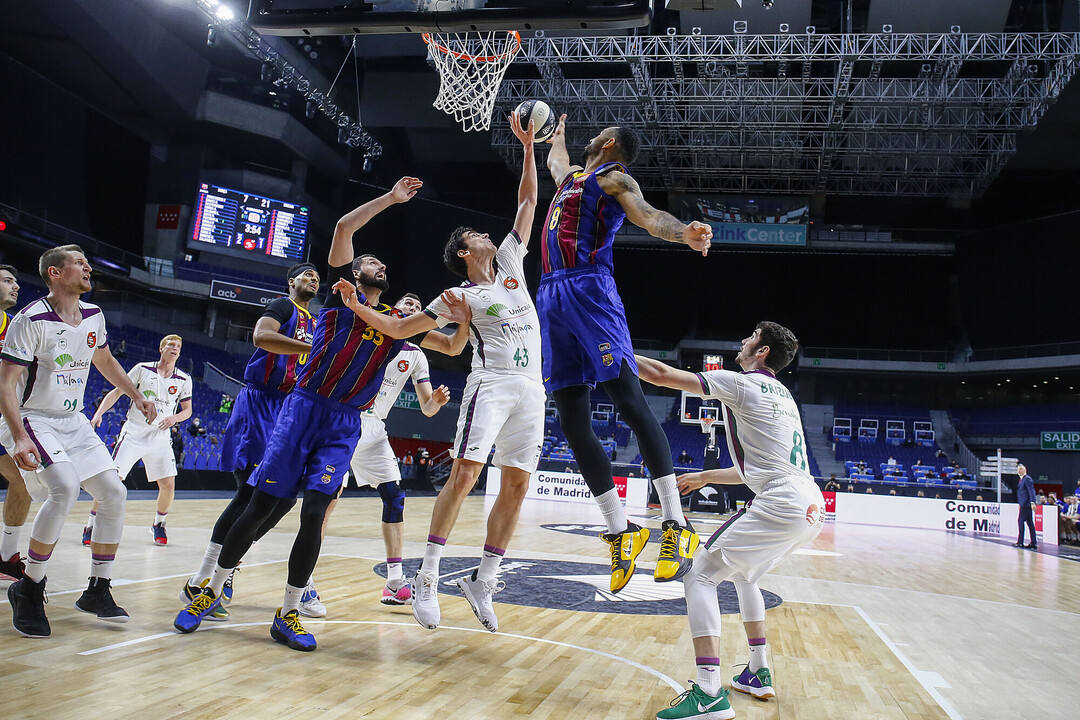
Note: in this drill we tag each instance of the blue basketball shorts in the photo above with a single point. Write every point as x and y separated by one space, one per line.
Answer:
310 447
583 328
252 420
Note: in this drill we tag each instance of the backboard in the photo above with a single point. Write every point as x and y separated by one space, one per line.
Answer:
334 17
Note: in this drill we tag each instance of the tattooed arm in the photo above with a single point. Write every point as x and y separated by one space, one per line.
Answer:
657 223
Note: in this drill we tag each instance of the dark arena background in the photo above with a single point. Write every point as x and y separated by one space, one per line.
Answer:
894 182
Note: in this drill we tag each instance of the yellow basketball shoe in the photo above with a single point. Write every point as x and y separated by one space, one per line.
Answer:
625 547
677 547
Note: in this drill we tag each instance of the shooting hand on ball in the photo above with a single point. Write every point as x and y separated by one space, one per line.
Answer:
525 135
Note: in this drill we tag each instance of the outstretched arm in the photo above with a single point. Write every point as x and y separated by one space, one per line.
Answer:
558 161
395 327
106 404
690 482
450 344
527 187
341 248
108 366
657 223
655 372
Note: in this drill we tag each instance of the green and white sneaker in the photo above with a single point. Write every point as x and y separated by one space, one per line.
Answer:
696 703
758 684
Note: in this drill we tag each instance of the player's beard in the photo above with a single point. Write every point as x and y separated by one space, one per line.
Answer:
587 154
372 281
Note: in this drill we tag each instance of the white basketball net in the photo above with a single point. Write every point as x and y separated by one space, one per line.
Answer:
471 68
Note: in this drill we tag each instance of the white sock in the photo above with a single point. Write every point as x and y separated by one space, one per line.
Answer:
292 599
393 571
709 677
218 578
90 520
159 518
209 562
757 657
101 565
9 541
612 509
432 555
489 563
35 566
670 505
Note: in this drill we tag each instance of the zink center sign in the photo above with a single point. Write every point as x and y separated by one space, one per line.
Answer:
1060 439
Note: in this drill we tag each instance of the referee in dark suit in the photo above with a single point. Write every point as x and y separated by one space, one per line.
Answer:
1025 495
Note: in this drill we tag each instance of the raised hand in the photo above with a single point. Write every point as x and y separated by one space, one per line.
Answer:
405 188
560 129
347 291
699 236
690 482
525 135
457 309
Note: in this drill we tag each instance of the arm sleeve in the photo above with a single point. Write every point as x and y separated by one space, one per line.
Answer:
333 274
511 254
21 341
435 309
420 372
724 385
280 310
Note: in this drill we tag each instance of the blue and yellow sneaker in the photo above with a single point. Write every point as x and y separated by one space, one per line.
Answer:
677 547
625 547
758 684
190 592
189 619
287 630
227 588
696 703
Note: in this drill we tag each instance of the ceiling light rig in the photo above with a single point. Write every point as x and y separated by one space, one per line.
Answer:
223 21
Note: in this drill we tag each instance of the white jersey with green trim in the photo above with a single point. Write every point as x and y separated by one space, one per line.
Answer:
410 363
165 392
56 355
764 429
505 329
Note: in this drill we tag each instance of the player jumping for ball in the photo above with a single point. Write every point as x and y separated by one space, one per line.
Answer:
503 402
767 443
586 341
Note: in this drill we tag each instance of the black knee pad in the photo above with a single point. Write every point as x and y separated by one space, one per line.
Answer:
393 502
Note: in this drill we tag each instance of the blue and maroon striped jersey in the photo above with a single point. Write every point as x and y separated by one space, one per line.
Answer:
348 356
581 223
279 372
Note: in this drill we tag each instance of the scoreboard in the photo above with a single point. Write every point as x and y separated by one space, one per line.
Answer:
231 222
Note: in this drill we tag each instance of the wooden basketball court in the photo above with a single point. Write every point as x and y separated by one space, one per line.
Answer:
874 623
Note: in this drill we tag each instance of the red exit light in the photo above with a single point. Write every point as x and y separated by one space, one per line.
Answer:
3 226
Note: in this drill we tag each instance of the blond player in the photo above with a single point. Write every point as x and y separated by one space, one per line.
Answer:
503 404
767 442
169 388
46 359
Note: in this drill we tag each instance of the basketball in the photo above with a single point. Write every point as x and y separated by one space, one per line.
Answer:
541 115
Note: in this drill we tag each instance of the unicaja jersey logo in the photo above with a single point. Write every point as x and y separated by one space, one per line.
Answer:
495 310
510 284
62 360
403 366
149 394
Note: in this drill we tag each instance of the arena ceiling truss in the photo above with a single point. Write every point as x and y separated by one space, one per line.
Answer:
896 114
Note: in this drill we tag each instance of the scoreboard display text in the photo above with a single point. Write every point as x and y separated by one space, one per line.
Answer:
236 223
